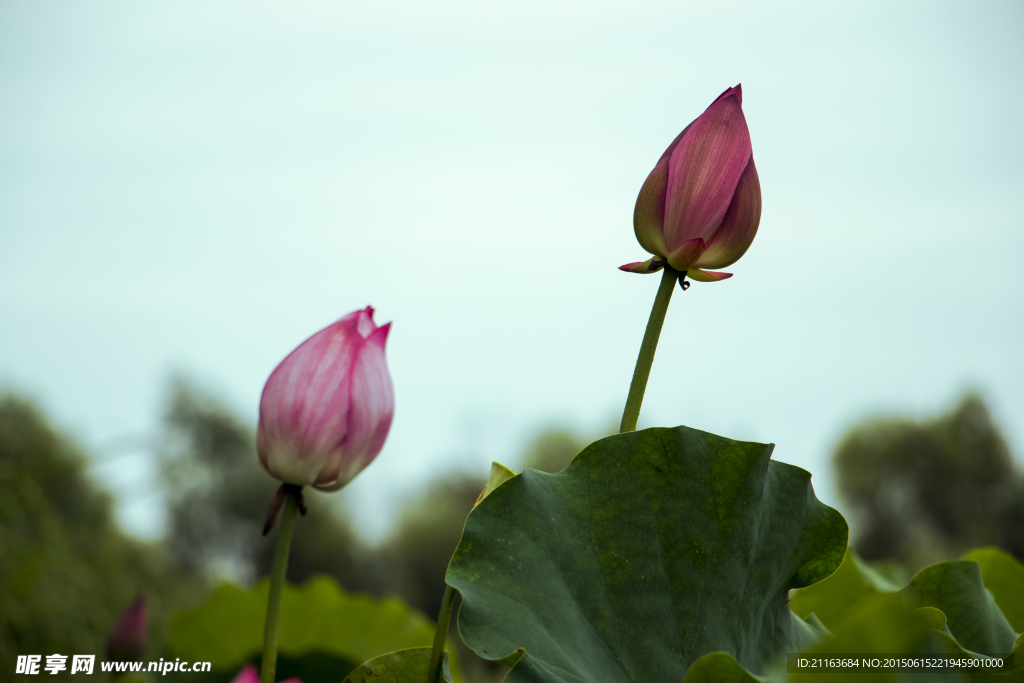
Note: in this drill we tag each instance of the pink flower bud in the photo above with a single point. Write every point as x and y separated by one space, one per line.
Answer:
701 205
248 674
128 638
327 408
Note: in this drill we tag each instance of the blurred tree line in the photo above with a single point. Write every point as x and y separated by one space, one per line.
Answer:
916 492
919 492
218 496
66 568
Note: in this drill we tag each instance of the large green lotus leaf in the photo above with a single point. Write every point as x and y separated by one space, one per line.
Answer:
1003 575
830 600
404 666
972 616
651 549
316 618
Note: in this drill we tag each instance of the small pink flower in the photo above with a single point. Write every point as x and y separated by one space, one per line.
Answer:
248 674
701 205
326 409
130 635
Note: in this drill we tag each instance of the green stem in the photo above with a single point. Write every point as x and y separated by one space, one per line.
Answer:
440 635
647 348
284 542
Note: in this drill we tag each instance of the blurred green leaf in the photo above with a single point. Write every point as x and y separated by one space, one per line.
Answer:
1003 575
882 624
318 617
404 666
830 600
719 667
954 615
935 618
876 624
815 623
652 549
985 675
972 616
887 624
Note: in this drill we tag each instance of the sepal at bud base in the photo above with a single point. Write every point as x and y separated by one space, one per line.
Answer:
707 275
687 254
644 267
277 503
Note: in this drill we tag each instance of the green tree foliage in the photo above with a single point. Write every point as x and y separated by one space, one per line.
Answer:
423 540
66 568
415 557
920 492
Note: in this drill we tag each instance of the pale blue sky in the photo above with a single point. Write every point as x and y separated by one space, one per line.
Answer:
201 185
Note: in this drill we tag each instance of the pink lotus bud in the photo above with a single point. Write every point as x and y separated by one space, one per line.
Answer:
128 638
248 674
327 408
700 206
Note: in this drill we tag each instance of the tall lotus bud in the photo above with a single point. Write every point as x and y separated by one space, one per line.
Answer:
701 205
327 408
130 635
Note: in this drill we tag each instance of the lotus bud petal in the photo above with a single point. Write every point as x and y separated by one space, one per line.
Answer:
130 635
327 408
701 205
